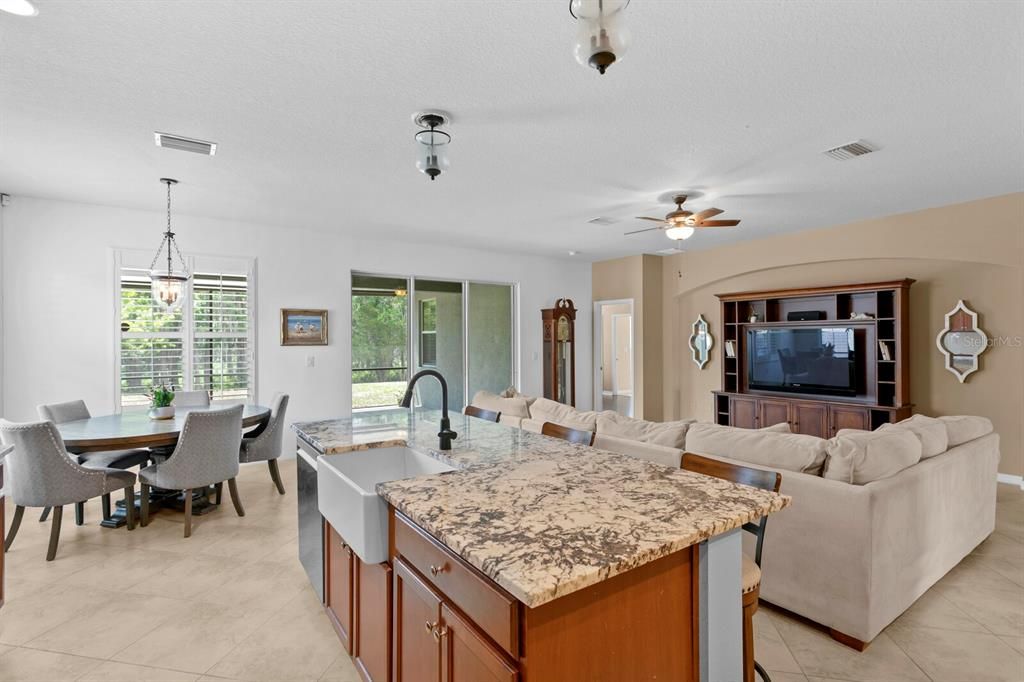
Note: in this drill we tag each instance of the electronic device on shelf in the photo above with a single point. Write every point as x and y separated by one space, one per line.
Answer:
805 315
822 360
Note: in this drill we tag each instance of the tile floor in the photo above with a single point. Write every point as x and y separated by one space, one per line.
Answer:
232 602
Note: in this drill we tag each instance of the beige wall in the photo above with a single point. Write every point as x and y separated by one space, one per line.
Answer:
638 278
973 251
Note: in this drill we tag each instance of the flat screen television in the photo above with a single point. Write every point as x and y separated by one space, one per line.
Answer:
803 359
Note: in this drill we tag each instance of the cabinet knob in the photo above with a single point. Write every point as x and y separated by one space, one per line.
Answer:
430 626
439 632
434 570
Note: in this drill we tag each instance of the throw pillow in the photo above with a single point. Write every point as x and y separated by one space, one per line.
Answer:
961 429
929 430
861 457
769 447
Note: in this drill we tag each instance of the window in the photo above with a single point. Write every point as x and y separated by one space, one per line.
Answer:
207 344
380 328
428 332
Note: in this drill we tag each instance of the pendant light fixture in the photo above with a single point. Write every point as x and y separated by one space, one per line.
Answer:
431 143
602 37
167 286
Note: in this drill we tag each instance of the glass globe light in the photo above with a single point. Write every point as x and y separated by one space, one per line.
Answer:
167 289
432 152
602 37
679 232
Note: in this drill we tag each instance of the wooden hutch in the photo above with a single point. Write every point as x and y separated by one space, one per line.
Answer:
883 394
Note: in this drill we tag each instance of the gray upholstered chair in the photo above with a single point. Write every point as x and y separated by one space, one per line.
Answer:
191 399
265 443
206 454
44 474
74 410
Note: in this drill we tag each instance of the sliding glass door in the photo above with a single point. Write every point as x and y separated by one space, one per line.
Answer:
380 340
464 330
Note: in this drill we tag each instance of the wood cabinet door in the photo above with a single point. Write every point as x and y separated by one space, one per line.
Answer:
338 584
849 417
467 656
417 623
373 620
772 412
810 419
743 412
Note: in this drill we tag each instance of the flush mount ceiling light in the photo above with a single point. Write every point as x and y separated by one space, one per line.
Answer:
23 8
431 143
602 37
168 286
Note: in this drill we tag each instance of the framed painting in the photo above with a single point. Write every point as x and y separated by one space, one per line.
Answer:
301 327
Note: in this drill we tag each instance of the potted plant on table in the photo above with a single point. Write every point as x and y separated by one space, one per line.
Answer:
160 403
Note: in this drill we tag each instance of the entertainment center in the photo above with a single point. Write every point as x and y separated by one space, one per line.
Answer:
820 359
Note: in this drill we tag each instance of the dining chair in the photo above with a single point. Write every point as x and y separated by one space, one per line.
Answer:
565 433
74 410
266 442
756 478
44 474
481 413
206 454
191 399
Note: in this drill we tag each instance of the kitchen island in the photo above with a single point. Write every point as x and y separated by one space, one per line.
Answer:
533 559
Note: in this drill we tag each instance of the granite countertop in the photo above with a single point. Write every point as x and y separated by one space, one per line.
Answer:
540 516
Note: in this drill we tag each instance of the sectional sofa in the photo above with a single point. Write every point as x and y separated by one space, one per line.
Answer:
877 517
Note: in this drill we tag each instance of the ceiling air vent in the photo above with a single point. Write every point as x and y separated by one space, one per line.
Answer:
185 144
850 150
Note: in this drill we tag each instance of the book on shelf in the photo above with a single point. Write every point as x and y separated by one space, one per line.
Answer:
730 349
883 348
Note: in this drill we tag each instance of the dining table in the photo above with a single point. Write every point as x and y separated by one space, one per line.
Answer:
134 429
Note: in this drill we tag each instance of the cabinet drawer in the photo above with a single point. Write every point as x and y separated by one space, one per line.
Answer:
490 608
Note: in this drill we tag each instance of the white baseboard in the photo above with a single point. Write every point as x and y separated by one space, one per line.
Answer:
1011 479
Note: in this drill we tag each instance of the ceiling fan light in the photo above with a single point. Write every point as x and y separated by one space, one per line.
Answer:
602 37
679 233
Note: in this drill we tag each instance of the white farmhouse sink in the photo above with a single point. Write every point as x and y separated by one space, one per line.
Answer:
346 493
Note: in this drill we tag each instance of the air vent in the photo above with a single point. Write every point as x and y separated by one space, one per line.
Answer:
602 220
850 150
185 144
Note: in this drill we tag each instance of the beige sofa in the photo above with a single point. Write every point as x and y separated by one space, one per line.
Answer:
877 517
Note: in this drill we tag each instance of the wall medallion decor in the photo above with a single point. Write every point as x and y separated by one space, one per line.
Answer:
301 327
962 341
701 342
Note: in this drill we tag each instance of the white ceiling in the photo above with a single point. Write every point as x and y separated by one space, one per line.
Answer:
311 103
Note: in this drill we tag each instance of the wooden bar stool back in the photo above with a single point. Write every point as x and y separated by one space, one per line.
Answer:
480 413
565 433
755 478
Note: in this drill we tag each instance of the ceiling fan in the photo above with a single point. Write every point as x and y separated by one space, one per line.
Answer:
681 224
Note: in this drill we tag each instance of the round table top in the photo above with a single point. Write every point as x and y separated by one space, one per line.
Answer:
136 430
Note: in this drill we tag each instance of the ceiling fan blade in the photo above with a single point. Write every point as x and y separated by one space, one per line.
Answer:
717 223
706 213
648 229
657 220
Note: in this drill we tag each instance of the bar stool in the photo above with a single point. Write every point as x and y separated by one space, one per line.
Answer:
755 478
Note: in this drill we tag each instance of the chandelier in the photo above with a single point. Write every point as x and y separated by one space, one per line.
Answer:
168 286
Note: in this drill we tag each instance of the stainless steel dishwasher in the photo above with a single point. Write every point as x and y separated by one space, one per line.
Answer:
311 523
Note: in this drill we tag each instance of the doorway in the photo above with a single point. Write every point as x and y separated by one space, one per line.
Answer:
614 360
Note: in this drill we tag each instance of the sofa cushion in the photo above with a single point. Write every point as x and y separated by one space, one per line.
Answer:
929 430
765 447
659 454
961 429
512 407
544 410
860 457
669 434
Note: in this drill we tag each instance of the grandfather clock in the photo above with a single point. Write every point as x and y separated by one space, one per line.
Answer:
560 352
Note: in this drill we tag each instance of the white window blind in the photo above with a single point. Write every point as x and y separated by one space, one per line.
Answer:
152 342
206 344
220 345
